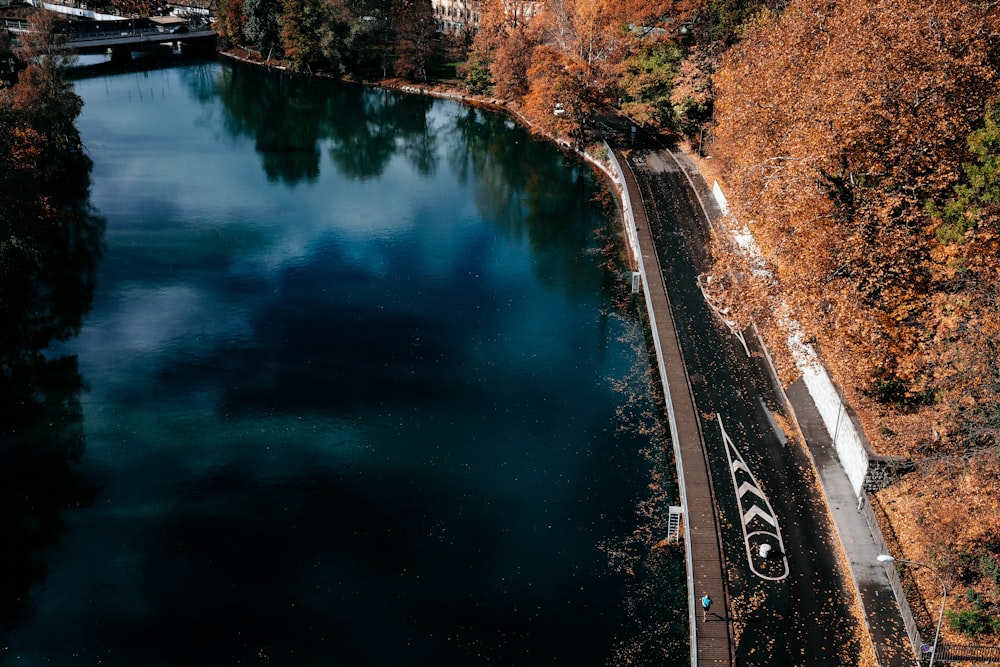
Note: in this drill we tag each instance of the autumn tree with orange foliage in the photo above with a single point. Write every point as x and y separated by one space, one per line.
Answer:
413 43
45 221
230 23
502 48
838 125
561 59
585 43
860 148
555 59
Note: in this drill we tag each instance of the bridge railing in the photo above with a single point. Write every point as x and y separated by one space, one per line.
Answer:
16 25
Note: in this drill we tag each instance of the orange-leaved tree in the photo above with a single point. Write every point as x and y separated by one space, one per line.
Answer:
502 47
414 28
838 123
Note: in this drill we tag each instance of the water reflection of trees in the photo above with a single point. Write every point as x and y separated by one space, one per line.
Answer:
521 187
289 116
42 440
51 245
520 184
276 111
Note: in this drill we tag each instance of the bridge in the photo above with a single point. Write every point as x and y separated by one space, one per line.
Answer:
135 34
121 37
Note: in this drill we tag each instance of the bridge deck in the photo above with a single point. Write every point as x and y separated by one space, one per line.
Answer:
134 39
99 36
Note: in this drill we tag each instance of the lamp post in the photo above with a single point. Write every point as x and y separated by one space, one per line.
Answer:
886 558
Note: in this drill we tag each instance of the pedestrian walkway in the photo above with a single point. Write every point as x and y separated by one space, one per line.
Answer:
879 606
711 642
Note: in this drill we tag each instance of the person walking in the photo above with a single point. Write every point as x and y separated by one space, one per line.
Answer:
706 604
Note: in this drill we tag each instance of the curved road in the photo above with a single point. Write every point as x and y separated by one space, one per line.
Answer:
790 600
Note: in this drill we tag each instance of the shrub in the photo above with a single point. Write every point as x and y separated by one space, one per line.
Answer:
970 622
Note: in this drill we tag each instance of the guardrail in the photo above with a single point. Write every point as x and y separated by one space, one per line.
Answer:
16 25
909 623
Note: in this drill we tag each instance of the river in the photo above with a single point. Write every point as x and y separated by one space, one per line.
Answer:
362 384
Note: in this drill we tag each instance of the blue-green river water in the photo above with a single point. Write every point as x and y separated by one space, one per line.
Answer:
363 384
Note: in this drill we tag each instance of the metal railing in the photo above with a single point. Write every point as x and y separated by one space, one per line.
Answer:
975 653
909 623
16 25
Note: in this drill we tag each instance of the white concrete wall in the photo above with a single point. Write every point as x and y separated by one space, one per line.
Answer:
849 444
847 441
75 9
720 198
630 232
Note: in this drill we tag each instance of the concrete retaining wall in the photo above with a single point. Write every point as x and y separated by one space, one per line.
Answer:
846 437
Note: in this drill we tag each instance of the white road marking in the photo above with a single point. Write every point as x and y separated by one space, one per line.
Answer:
758 521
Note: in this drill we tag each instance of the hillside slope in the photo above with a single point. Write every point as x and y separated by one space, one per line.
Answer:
860 141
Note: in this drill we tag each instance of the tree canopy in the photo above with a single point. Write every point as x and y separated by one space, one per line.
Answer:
49 240
843 127
860 143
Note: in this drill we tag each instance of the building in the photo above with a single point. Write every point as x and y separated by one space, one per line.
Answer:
456 15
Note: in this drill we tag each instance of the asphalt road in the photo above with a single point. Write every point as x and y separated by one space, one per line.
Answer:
790 599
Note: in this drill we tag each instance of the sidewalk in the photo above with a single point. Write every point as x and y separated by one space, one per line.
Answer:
710 634
880 610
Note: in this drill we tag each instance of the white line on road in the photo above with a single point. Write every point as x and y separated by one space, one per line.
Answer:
761 534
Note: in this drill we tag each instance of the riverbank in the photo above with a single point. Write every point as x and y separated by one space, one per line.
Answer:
596 155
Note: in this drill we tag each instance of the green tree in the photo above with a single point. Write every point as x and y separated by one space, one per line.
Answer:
983 173
261 27
476 76
980 190
301 25
355 37
647 84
